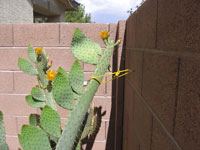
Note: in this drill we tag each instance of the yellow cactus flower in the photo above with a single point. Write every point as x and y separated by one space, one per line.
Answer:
104 34
39 50
51 75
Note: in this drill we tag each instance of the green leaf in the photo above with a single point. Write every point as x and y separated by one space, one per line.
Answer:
33 120
62 91
34 103
32 138
76 77
84 49
3 144
31 53
37 94
50 121
26 66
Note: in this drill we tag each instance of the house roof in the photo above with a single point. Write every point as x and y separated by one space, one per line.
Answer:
70 4
54 8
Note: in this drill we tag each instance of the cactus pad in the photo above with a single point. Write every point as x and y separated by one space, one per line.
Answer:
26 66
62 91
50 121
33 120
3 145
32 138
34 103
86 129
31 53
76 77
37 94
84 49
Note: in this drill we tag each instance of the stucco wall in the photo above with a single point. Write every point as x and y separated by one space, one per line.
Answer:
16 11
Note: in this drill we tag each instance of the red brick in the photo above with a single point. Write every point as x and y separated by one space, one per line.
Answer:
9 57
20 122
89 67
105 103
101 136
160 140
134 61
63 113
146 25
13 142
159 86
36 34
15 105
99 146
112 30
24 82
63 122
10 125
187 129
6 82
101 89
61 57
67 31
6 35
109 85
178 25
121 30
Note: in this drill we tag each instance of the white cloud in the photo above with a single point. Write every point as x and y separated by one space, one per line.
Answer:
109 5
115 7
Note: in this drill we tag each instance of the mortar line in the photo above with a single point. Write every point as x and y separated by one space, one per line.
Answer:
13 82
176 96
154 115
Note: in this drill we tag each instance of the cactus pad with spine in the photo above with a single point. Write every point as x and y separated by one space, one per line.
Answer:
32 138
37 94
34 103
3 144
33 120
62 91
26 66
84 49
31 53
76 77
50 121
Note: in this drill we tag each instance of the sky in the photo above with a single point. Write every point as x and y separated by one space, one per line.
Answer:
108 11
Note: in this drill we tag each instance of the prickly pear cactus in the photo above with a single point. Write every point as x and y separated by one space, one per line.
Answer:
44 131
85 51
3 144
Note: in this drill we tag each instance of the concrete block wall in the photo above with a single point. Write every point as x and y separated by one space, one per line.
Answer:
15 85
161 101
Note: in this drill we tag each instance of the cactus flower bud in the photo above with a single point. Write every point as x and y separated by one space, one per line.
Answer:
51 75
50 63
104 34
39 50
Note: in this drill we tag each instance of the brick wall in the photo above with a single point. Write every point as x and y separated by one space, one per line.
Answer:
15 85
162 98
